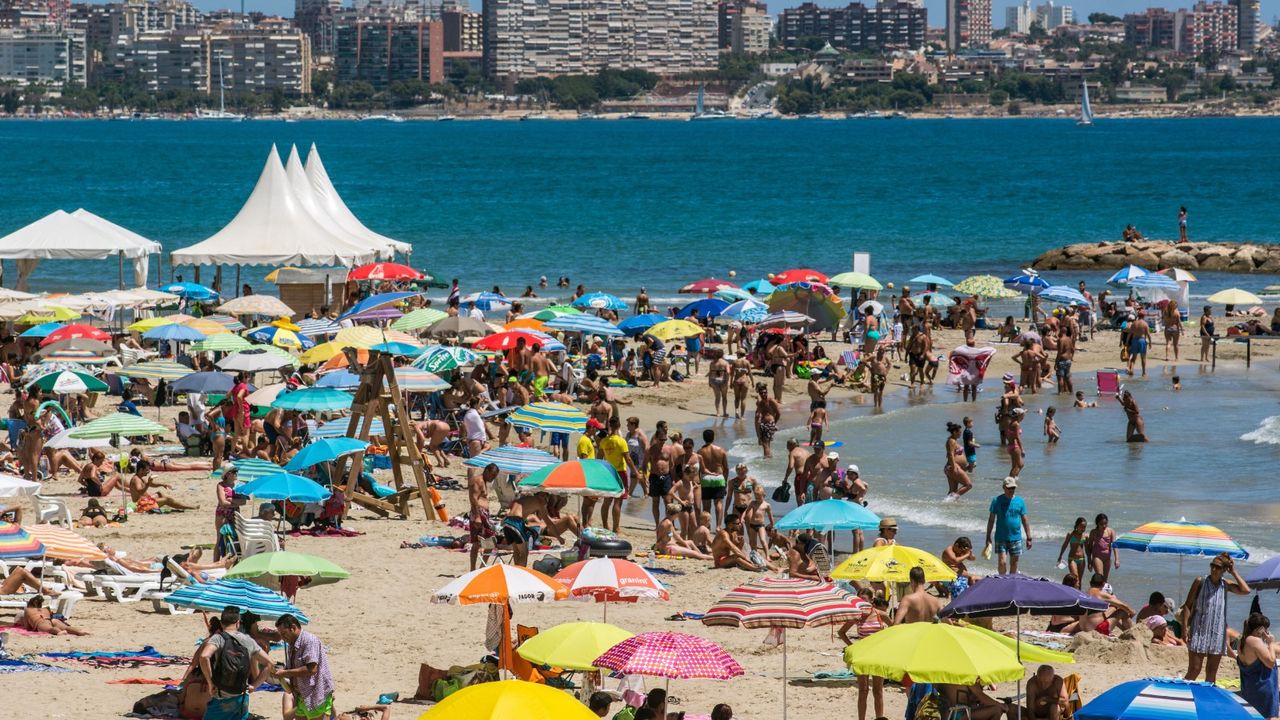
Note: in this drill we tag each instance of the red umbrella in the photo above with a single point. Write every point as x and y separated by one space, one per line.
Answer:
75 332
798 275
707 285
507 340
384 271
611 580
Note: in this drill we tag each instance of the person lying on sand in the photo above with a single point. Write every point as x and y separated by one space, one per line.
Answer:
670 543
38 618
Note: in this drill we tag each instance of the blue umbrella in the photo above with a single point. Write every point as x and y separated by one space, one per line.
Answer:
1026 283
600 301
734 295
1166 699
828 515
1266 576
267 336
40 331
377 302
1016 593
252 468
1154 281
706 308
284 486
639 324
931 279
586 324
174 332
512 459
248 596
487 301
321 326
1124 275
325 450
1063 295
760 287
398 348
338 428
316 399
189 290
742 308
204 382
341 379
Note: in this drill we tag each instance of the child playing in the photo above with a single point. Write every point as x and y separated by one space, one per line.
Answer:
1177 383
1051 429
817 421
970 445
1080 401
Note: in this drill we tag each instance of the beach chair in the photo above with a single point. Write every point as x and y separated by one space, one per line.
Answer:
52 510
821 560
1071 684
122 585
491 554
521 668
255 536
1108 382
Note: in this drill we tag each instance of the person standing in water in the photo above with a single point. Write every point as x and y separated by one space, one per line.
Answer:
958 482
1206 333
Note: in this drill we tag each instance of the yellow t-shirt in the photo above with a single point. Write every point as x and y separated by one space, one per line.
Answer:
614 449
586 448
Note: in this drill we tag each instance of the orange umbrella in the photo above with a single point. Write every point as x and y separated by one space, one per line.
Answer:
501 584
63 544
339 361
525 324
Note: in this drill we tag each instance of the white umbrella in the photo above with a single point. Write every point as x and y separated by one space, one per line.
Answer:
256 305
265 395
64 441
253 361
871 307
14 486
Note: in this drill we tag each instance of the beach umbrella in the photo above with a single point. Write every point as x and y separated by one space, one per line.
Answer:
283 564
254 360
551 313
174 332
266 394
611 580
668 330
892 563
1234 296
871 307
854 281
338 428
78 331
221 342
1154 281
84 357
316 327
403 349
937 299
600 301
63 440
458 325
274 275
731 295
324 352
341 379
47 313
670 655
237 593
549 417
828 515
18 543
503 341
1027 281
572 646
204 383
284 486
639 324
933 653
486 301
759 287
1179 275
747 311
931 279
795 275
783 603
156 370
707 286
416 319
509 699
513 460
377 302
1264 577
807 298
1063 295
252 468
1180 537
14 486
281 337
146 324
207 326
500 585
986 286
189 290
314 399
266 305
785 318
324 450
705 308
62 544
411 379
227 322
1166 699
589 478
79 345
40 331
1123 276
68 382
585 324
384 271
122 424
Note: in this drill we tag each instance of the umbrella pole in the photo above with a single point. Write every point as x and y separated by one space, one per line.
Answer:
1018 647
1181 591
606 610
784 673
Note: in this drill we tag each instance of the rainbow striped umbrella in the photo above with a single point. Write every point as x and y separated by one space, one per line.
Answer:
18 543
595 478
338 428
550 417
1181 537
411 379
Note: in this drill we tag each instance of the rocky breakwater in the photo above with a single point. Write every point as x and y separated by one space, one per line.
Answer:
1160 254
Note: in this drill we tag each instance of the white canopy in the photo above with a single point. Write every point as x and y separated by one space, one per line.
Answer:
74 236
310 202
273 228
328 198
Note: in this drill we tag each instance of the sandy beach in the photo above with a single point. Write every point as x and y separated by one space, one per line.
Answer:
379 625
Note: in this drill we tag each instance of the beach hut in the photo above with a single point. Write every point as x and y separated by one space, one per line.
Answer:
78 235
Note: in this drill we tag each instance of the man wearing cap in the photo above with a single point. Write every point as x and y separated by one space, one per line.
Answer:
1008 517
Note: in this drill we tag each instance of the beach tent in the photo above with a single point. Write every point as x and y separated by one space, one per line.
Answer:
305 193
327 197
274 228
78 235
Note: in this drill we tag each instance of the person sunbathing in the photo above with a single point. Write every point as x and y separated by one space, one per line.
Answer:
98 477
726 548
19 578
670 543
164 464
145 501
94 515
38 618
799 562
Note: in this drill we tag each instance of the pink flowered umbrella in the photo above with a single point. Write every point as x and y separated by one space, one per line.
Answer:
670 655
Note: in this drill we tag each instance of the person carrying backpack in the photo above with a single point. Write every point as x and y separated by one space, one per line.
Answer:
234 664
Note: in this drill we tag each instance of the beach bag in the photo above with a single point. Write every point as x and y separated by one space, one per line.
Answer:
427 678
231 666
782 493
928 708
446 687
548 566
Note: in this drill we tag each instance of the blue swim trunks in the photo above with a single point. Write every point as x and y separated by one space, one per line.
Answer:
1010 547
1138 346
972 459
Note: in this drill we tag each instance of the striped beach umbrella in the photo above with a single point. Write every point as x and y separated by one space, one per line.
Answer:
338 428
361 336
146 324
1166 699
742 308
314 399
1028 282
552 312
670 655
572 646
585 324
317 327
611 580
252 468
487 301
374 303
785 318
221 342
174 332
1063 295
1122 277
281 337
549 417
226 321
500 584
18 543
83 357
411 379
513 460
1155 281
1180 537
156 370
68 382
121 424
600 301
418 319
593 478
234 592
207 326
62 544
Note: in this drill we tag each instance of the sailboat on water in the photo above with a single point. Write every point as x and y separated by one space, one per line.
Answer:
701 113
221 113
1086 110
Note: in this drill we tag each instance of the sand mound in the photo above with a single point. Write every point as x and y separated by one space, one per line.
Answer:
1092 647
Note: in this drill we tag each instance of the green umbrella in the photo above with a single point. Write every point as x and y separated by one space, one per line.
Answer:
289 563
122 424
595 478
221 342
68 382
419 318
553 312
854 280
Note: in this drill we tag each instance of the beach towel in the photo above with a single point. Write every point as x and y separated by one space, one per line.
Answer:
9 666
968 365
21 631
127 658
325 532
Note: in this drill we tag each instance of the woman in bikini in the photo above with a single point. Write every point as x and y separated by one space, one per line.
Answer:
817 422
94 515
1077 540
685 495
759 518
216 417
718 379
670 543
1059 623
958 482
741 378
98 477
38 618
1102 556
225 512
1016 454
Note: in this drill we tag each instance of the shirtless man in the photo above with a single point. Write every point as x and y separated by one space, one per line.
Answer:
718 379
1046 696
478 522
1062 363
642 302
816 392
879 367
1029 359
741 374
1118 615
601 410
818 469
1139 341
543 369
917 605
657 462
967 319
431 435
520 528
906 307
518 357
768 412
726 548
715 475
546 508
797 454
142 482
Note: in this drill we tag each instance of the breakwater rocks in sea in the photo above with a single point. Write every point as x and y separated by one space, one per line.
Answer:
1160 254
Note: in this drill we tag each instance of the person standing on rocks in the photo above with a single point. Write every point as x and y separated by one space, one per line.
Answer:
1182 224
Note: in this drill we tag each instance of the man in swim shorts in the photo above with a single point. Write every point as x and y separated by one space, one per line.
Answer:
1066 353
715 474
1139 339
520 532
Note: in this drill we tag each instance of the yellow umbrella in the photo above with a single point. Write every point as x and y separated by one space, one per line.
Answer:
285 323
48 313
675 329
934 653
890 564
149 323
572 646
1234 296
206 326
322 353
508 699
361 336
274 275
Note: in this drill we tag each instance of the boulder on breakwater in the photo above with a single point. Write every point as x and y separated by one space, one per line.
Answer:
1160 254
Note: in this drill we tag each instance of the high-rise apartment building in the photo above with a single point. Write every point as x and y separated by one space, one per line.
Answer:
1051 15
968 24
315 18
1018 18
1249 23
1209 27
43 15
900 24
463 30
382 53
255 60
1153 28
529 38
53 56
743 26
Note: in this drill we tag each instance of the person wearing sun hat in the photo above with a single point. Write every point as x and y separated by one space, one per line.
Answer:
888 532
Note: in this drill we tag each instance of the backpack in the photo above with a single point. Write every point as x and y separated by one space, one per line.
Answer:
928 708
230 666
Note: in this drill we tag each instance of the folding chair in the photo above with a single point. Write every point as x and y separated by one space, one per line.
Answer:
1108 382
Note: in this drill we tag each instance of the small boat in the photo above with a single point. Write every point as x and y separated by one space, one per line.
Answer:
535 116
221 113
856 116
1086 110
701 113
875 115
587 115
896 116
446 118
810 116
635 116
376 118
764 115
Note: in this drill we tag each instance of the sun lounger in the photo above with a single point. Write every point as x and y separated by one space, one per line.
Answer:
180 578
62 604
120 584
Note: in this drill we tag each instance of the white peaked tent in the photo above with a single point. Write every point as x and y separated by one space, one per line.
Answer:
74 236
301 186
327 197
273 228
